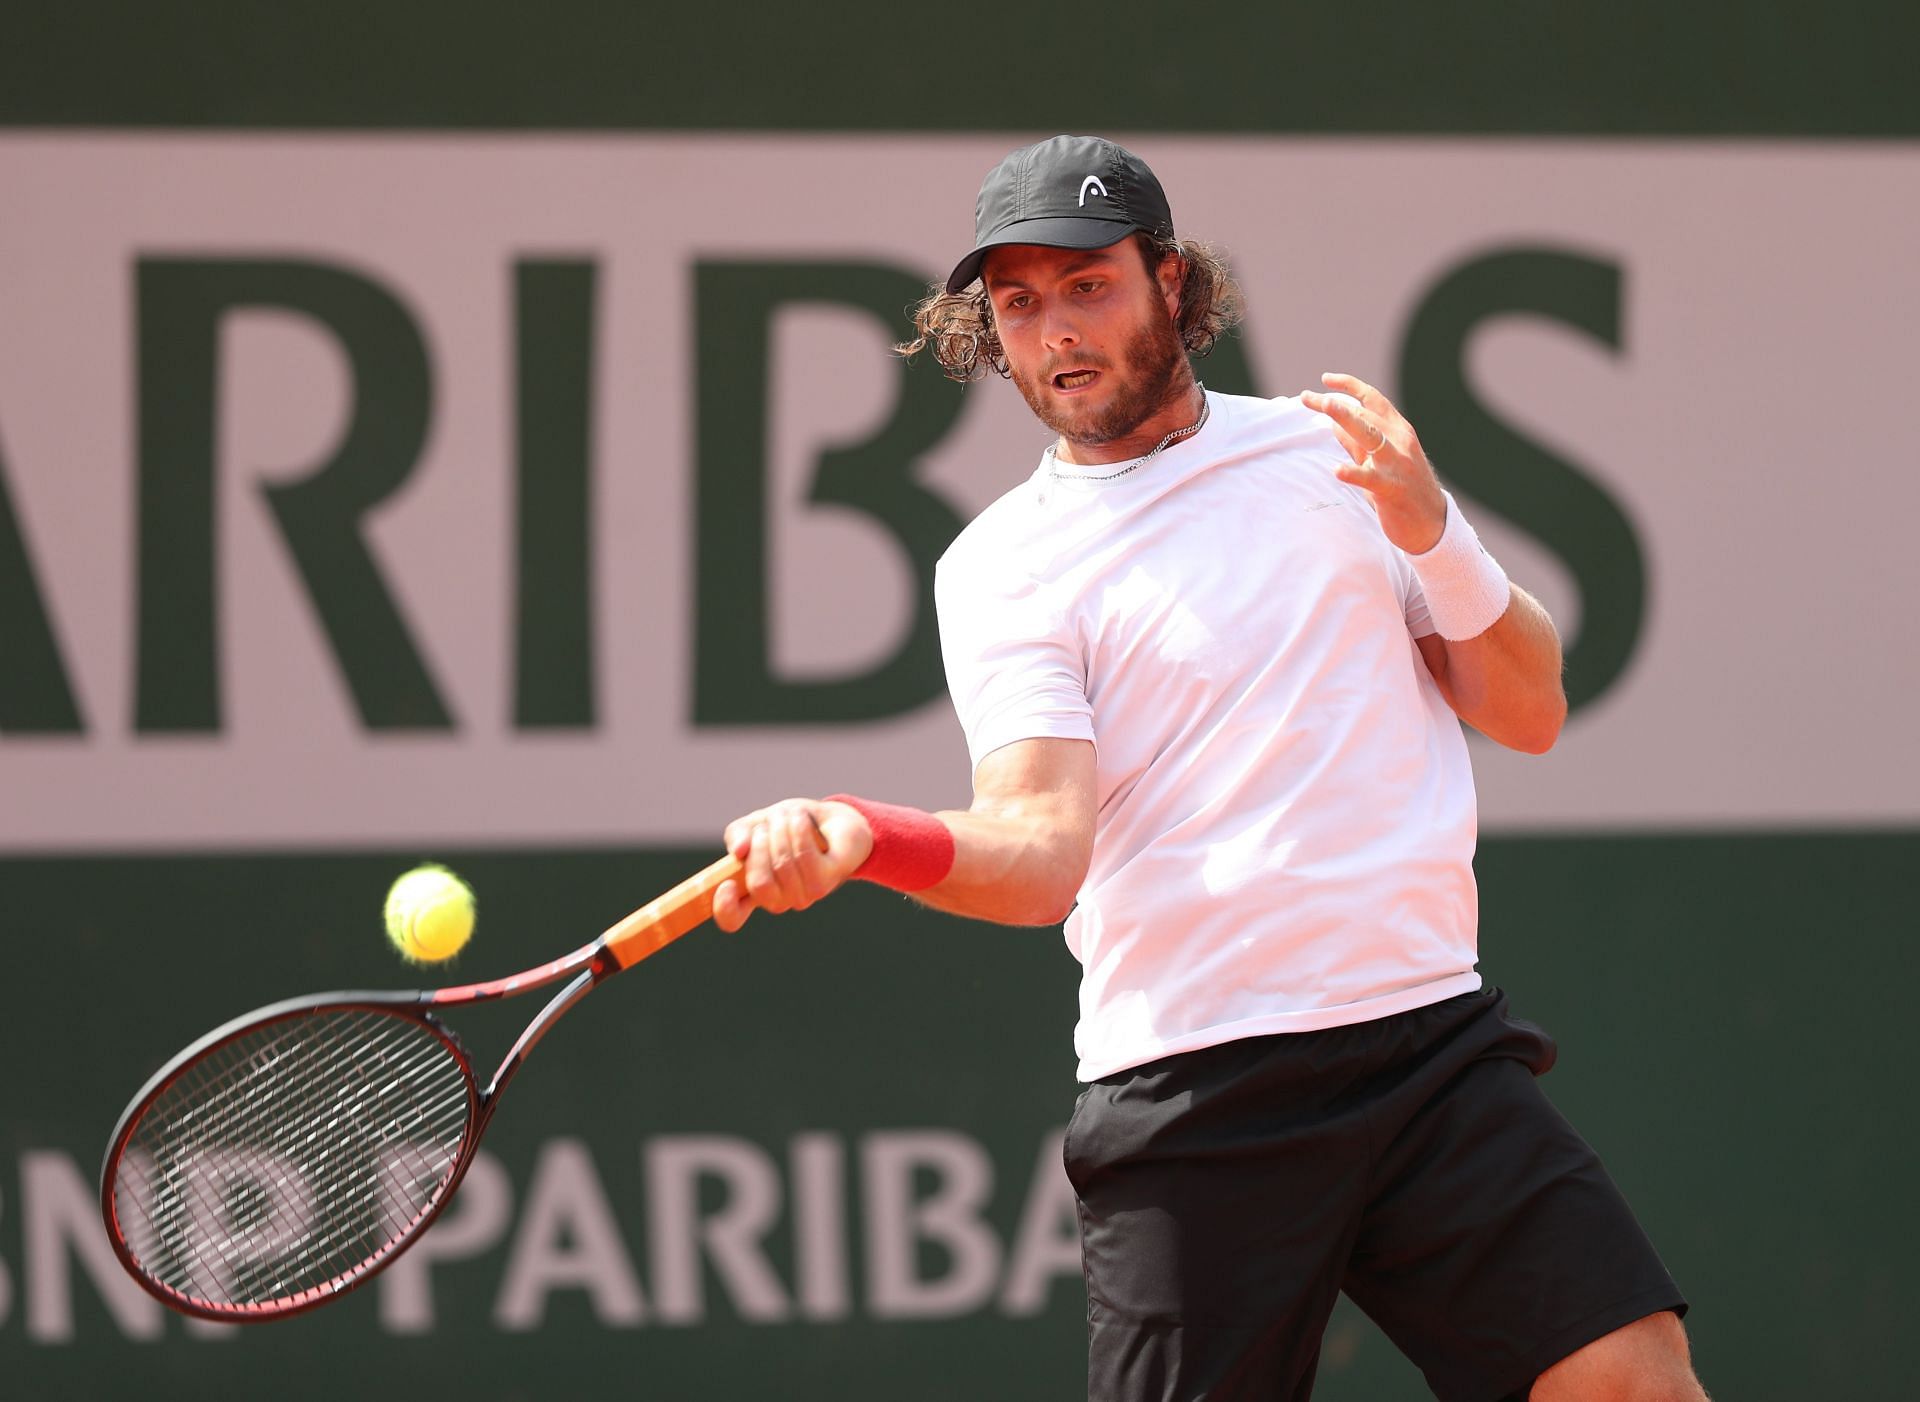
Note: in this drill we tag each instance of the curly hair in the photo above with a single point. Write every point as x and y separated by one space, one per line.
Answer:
958 326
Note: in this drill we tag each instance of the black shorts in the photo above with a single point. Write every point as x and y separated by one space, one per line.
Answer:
1227 1195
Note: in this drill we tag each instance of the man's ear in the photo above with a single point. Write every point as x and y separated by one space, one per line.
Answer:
1170 274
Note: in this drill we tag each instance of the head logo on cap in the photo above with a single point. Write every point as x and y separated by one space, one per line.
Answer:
1092 182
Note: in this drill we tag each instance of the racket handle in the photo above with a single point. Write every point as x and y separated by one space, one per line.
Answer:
665 918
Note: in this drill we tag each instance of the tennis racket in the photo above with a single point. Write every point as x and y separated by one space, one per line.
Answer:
287 1156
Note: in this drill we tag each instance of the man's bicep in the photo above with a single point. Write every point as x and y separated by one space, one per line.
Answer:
1047 779
1013 663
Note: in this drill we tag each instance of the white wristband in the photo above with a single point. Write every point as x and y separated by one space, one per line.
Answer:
1466 589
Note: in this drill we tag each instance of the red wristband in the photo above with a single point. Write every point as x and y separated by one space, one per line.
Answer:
912 849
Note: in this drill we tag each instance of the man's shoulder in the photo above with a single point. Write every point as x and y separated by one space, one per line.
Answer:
989 537
1282 423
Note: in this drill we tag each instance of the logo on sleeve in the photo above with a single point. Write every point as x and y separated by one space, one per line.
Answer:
1092 182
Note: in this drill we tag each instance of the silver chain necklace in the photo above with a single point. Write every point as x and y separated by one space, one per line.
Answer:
1057 475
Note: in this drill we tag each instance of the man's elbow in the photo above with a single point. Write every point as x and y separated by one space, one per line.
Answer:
1052 900
1055 911
1532 743
1032 907
1537 732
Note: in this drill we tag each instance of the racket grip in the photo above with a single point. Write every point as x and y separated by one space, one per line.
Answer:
665 918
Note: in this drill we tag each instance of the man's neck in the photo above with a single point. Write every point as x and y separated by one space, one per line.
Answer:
1182 410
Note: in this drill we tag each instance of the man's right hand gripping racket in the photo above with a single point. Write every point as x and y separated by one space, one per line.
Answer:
286 1157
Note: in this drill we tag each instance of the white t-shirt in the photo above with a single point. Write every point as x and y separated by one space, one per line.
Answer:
1286 814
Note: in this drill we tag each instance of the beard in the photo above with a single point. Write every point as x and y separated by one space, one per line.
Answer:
1147 379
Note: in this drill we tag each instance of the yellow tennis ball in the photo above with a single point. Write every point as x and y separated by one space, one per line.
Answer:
430 915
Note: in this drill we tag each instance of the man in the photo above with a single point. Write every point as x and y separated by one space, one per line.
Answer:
1210 659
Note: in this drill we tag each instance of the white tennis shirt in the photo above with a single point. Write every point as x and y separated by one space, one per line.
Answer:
1286 812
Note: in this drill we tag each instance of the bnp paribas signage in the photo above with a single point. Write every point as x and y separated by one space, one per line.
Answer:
823 1232
499 489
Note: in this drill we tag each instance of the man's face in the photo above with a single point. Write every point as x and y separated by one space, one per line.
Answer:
1088 334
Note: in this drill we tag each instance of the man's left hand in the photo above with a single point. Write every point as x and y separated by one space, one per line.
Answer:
1388 462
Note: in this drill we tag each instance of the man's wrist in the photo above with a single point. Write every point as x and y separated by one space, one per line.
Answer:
912 849
1465 588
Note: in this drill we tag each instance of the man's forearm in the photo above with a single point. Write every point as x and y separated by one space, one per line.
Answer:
1020 868
1505 682
1016 857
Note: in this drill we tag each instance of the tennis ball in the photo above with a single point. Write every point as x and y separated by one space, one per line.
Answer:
429 915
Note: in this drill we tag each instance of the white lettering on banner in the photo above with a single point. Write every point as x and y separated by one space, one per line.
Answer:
949 1217
819 1166
6 1285
568 1239
1731 279
731 1237
922 1189
60 1222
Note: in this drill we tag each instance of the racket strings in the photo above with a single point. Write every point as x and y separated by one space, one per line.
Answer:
261 1205
251 1216
292 1156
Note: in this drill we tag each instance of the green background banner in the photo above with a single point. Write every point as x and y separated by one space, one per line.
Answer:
1400 66
1729 1011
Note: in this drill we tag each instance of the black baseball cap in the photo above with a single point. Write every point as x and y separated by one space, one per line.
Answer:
1064 192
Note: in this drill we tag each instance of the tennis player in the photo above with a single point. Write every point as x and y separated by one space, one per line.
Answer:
1211 658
